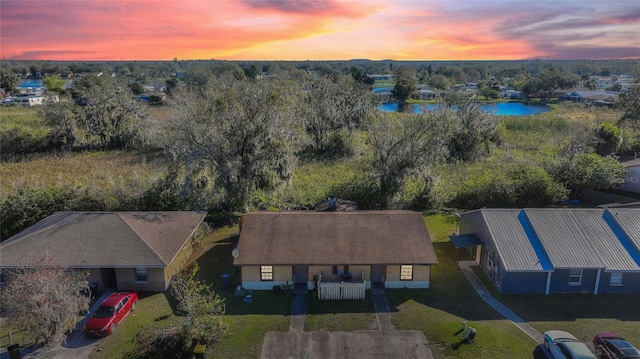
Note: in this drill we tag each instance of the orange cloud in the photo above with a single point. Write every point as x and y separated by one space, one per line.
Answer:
313 29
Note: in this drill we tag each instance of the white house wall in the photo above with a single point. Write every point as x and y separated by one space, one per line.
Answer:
632 181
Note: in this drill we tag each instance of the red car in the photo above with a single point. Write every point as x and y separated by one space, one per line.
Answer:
110 313
611 346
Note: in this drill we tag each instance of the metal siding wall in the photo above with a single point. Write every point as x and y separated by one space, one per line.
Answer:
523 282
630 284
560 282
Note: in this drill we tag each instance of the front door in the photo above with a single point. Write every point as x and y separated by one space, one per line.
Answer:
109 278
300 274
377 271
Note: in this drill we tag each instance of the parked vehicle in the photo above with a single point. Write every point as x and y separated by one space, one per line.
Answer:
611 346
563 345
110 313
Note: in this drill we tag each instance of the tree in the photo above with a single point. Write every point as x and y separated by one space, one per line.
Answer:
45 300
629 103
61 117
474 130
9 81
136 88
332 110
596 172
53 83
360 76
112 117
609 139
552 79
203 307
439 82
405 144
406 84
591 84
242 134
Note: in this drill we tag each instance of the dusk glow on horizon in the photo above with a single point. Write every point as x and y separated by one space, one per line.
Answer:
102 30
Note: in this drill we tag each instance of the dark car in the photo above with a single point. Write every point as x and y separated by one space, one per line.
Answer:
110 313
611 346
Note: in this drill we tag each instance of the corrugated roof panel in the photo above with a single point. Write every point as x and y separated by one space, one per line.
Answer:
516 252
626 225
600 236
563 239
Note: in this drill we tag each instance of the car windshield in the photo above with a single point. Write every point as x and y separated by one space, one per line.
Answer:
104 312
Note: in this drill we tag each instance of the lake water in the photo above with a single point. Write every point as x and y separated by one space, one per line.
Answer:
500 108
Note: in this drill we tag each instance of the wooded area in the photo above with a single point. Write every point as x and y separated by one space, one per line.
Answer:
232 137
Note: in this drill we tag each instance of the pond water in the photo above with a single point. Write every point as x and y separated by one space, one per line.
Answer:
500 108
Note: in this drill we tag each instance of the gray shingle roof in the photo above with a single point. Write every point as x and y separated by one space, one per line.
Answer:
314 238
102 239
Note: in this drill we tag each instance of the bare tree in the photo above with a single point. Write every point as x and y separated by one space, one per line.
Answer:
45 301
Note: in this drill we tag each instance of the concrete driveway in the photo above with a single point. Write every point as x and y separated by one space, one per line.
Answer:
76 346
361 344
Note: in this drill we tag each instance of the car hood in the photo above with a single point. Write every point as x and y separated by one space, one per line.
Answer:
97 323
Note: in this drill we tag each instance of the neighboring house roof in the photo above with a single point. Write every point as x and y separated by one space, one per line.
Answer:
632 163
322 238
516 251
102 239
547 239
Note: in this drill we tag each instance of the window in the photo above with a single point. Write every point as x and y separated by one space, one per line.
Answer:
406 272
616 279
141 275
490 261
575 276
266 272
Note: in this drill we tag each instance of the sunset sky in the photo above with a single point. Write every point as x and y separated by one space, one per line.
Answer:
319 29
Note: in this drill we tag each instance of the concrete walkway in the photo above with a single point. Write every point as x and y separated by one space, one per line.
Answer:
381 306
298 308
487 297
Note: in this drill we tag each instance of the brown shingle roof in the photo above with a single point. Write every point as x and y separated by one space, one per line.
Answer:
312 238
102 239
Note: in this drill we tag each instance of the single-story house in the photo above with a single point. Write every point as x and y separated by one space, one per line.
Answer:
632 181
557 250
595 98
137 251
392 248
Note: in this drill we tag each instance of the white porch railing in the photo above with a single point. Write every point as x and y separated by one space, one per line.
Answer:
342 290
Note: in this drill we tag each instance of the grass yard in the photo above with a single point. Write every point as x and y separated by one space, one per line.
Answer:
583 315
333 315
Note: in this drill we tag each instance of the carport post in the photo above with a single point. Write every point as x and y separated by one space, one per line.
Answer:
595 290
546 291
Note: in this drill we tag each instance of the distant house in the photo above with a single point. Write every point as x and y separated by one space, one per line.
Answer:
557 250
511 95
632 181
33 99
138 251
387 247
595 98
425 94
